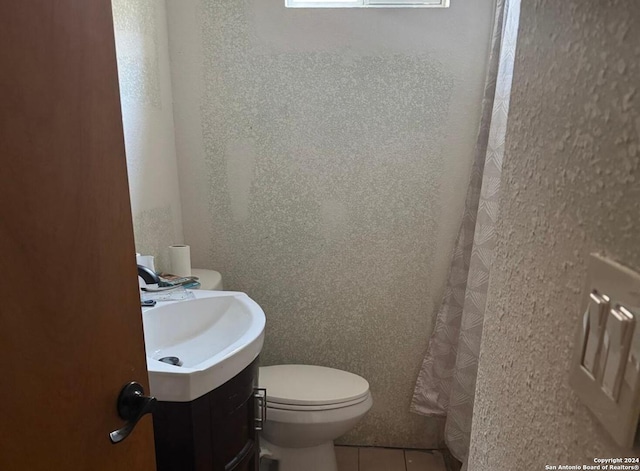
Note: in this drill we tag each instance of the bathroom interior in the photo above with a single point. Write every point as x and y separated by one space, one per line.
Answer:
320 160
430 209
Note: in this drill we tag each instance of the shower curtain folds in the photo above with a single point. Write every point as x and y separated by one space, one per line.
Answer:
445 386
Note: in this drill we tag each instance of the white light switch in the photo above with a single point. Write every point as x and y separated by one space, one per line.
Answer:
616 343
605 371
595 318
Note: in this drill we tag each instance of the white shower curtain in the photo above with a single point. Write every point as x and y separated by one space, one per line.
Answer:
447 379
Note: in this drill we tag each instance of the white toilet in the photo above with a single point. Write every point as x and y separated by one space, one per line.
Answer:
307 408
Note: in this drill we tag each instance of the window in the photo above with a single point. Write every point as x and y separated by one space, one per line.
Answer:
366 3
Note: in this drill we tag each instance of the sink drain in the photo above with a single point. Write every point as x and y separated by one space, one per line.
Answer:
175 361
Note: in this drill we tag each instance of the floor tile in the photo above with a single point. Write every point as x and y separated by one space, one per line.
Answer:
347 457
381 459
424 460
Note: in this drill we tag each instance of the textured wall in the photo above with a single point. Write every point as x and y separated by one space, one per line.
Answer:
324 157
145 89
570 188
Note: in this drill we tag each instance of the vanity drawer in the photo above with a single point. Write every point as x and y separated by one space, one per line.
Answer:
232 434
226 399
216 432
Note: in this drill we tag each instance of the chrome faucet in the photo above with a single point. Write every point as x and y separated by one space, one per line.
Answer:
148 275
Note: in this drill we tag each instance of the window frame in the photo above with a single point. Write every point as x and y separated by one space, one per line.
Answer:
367 4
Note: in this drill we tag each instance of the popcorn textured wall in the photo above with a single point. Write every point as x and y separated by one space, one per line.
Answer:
147 115
570 187
324 157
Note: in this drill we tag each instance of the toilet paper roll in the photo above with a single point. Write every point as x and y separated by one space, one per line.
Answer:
180 256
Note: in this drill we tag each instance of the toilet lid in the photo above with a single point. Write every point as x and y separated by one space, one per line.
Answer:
311 385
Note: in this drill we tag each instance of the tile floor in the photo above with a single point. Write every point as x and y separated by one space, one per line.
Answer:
388 459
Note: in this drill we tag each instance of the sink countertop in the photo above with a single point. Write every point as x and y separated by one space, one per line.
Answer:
215 336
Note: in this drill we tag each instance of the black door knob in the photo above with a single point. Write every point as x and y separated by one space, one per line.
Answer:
132 405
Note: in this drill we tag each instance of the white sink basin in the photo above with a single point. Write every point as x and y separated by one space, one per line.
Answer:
215 336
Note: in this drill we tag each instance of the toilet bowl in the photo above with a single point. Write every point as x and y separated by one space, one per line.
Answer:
307 408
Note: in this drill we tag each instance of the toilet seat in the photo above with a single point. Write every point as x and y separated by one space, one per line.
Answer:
292 407
308 387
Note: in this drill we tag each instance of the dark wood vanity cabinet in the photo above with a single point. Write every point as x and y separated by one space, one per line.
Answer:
216 432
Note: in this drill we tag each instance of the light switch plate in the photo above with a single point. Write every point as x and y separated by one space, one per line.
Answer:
609 384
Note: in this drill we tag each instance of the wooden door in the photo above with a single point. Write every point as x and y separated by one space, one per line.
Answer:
70 323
